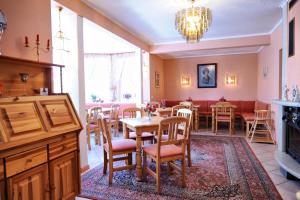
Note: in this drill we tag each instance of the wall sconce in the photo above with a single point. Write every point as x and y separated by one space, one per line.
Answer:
185 80
24 77
230 80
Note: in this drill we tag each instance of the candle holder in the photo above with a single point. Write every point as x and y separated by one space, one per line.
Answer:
37 46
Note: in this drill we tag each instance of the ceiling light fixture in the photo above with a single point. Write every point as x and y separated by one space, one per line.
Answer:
193 22
61 41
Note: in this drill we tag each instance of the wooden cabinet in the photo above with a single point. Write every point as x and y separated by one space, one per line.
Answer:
64 177
30 185
39 155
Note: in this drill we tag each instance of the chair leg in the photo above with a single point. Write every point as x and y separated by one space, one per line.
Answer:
89 139
157 177
130 159
105 162
189 154
183 172
145 166
253 130
206 121
216 127
111 167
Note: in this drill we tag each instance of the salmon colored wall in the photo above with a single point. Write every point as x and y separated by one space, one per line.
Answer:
156 65
268 87
26 18
243 66
293 63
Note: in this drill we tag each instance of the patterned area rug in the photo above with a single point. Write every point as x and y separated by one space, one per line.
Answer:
223 168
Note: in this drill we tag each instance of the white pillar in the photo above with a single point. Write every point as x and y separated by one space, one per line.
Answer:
81 91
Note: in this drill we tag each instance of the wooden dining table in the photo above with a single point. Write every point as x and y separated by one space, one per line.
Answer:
140 125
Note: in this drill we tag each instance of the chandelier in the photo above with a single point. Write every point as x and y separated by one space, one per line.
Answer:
193 22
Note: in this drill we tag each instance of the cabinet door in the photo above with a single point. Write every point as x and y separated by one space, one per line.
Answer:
64 177
2 191
30 185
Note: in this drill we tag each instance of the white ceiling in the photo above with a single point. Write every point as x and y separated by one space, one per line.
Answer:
153 20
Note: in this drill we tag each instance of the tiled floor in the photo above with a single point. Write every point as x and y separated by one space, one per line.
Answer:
264 152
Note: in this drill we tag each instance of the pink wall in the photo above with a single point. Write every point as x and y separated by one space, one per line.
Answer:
243 66
26 18
293 63
268 87
156 65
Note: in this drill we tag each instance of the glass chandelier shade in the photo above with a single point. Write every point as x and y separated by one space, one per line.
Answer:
193 22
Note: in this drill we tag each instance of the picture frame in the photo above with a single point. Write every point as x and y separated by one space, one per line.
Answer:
207 75
157 79
291 38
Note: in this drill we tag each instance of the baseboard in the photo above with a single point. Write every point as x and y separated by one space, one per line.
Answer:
84 168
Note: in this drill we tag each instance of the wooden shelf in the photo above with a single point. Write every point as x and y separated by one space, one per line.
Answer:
28 62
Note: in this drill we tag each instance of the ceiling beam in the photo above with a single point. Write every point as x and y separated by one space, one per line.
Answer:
251 41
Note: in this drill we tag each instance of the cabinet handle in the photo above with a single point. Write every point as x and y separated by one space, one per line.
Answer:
53 110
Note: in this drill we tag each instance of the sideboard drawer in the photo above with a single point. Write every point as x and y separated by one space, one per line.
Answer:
66 144
24 161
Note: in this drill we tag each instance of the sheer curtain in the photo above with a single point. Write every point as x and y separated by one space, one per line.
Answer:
111 77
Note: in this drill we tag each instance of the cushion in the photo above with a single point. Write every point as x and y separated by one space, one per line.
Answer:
247 106
165 137
202 104
93 126
165 150
237 104
248 116
122 145
172 103
259 105
144 134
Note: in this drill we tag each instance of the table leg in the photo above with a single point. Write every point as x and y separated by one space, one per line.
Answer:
213 121
138 155
196 120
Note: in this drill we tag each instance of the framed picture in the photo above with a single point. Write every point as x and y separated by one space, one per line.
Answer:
207 75
157 79
292 38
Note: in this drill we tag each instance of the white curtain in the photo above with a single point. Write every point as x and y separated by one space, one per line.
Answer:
108 76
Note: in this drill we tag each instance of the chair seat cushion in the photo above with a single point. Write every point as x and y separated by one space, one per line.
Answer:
93 126
165 150
132 135
122 145
165 137
248 116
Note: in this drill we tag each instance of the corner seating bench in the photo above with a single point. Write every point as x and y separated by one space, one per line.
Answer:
244 109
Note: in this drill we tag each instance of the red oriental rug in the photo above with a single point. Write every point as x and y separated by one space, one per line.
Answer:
223 168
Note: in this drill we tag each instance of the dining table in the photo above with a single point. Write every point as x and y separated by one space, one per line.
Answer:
140 125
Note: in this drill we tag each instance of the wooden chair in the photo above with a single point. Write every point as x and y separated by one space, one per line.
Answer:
116 148
187 113
187 104
167 151
262 120
93 125
114 118
133 113
225 113
176 108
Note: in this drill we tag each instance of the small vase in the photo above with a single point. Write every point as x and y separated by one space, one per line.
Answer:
149 115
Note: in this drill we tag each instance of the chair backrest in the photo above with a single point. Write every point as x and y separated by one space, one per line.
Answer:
187 104
106 133
224 108
114 113
188 114
131 112
176 108
262 115
171 124
93 114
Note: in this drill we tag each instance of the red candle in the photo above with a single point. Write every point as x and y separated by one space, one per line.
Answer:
37 37
26 41
48 44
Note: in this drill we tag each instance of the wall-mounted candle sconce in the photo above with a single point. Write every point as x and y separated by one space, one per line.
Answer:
185 81
24 77
230 80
